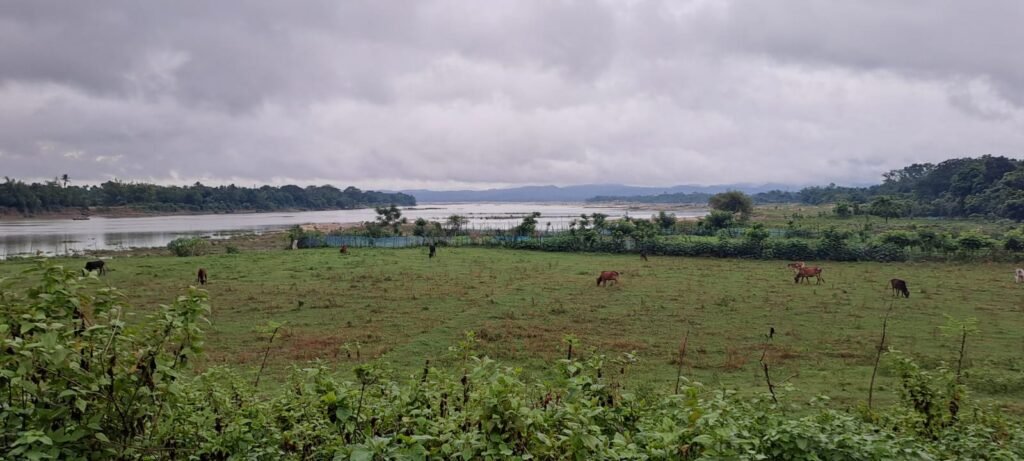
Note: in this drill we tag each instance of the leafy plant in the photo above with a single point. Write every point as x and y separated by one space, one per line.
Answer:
188 246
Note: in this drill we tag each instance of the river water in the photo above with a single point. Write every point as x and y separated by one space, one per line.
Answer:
66 236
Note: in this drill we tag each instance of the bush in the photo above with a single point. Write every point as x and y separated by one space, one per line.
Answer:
717 219
188 246
973 241
1014 241
900 238
885 252
231 250
791 249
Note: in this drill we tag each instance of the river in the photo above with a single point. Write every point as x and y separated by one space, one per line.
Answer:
67 236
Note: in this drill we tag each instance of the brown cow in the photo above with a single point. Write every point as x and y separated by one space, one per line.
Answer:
806 273
899 287
344 249
201 276
607 276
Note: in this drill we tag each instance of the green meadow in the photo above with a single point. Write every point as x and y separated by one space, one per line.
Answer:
400 308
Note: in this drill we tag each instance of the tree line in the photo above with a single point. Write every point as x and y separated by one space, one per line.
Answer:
57 195
991 186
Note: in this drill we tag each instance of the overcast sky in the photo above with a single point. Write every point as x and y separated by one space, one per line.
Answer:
472 94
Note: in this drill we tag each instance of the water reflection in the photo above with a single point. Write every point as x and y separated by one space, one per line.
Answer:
66 236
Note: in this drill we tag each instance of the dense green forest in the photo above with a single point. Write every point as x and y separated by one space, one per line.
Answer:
19 197
985 186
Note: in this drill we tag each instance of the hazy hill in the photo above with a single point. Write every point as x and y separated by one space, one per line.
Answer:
573 193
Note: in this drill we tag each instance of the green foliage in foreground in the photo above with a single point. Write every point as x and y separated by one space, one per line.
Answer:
79 382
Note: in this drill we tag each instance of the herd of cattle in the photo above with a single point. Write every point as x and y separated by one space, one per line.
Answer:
801 272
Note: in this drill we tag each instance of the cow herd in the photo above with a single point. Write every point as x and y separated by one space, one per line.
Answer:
801 272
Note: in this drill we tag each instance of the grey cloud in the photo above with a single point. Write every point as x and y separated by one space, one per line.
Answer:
453 93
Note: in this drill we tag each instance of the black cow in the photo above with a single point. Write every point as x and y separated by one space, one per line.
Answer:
433 250
201 276
899 287
97 265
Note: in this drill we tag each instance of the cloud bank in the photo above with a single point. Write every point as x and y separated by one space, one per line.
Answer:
457 94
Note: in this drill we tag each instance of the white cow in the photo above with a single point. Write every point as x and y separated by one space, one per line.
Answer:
1018 275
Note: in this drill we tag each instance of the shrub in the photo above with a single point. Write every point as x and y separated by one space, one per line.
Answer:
1014 241
791 249
188 246
733 202
885 252
900 238
842 210
973 241
717 219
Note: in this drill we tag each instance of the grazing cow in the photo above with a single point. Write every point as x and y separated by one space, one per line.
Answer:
344 249
806 273
643 254
201 276
433 250
97 265
607 276
1018 275
899 287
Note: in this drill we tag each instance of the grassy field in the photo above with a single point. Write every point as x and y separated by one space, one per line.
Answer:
401 308
820 217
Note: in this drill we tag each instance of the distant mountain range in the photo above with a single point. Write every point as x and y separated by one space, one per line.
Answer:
576 193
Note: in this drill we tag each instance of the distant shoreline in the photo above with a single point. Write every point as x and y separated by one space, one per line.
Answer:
128 212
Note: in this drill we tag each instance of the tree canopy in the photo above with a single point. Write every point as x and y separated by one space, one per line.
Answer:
57 196
732 201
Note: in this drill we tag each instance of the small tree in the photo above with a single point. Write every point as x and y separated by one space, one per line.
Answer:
391 216
842 210
455 223
666 221
885 207
529 224
733 201
419 227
